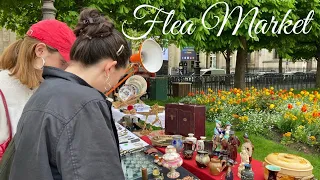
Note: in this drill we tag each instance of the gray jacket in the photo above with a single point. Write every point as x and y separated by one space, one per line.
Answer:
66 132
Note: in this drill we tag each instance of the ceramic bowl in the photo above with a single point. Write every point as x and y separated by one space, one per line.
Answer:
187 154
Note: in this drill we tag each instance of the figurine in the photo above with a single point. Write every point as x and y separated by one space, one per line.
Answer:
244 159
234 143
216 146
218 135
227 130
217 130
249 145
229 175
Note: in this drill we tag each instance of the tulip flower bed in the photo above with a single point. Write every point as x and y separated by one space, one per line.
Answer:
295 115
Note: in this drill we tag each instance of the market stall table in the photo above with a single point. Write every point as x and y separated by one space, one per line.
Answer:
118 115
204 174
133 161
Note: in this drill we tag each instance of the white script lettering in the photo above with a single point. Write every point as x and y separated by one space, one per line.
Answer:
261 25
189 24
256 26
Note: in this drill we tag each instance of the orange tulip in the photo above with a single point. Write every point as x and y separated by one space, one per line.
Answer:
315 114
304 108
235 116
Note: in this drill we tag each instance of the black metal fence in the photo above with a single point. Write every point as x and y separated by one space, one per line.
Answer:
225 82
276 70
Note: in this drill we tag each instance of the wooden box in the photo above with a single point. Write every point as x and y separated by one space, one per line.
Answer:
184 119
181 89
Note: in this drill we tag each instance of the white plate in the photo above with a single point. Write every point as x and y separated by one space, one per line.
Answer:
139 82
135 88
126 91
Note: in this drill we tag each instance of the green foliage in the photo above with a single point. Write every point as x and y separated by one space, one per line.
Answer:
19 15
308 45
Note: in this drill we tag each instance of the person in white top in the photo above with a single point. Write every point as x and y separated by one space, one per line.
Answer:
47 43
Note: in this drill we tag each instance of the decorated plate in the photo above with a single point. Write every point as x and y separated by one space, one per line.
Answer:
137 85
126 91
136 88
139 82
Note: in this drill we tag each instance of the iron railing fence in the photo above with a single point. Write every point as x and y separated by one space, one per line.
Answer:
225 82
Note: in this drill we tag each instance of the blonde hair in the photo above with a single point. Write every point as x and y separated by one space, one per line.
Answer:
19 59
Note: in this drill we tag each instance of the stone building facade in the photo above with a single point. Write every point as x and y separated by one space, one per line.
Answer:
262 60
6 38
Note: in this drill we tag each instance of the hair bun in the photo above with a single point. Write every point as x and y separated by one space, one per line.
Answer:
92 24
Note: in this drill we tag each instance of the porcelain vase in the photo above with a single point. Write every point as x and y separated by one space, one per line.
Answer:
192 139
177 143
247 173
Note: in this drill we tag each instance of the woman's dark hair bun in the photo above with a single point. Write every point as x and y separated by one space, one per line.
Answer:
92 24
98 39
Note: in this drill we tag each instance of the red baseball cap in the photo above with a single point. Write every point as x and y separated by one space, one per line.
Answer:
55 34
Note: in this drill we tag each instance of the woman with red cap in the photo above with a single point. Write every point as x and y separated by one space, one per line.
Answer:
47 43
66 130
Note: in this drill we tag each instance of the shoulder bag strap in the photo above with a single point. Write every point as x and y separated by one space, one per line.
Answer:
7 113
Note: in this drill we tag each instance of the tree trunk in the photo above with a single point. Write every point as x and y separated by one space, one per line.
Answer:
239 77
227 55
318 73
228 61
280 64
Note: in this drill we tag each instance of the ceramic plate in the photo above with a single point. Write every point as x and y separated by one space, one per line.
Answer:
135 87
139 82
126 91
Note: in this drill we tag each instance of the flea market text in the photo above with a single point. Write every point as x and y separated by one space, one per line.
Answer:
285 26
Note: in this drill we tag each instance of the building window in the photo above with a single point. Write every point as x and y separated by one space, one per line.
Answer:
213 61
275 54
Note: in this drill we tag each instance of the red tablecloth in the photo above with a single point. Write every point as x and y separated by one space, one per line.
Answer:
204 174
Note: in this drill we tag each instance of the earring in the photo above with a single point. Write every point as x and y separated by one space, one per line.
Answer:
107 82
43 62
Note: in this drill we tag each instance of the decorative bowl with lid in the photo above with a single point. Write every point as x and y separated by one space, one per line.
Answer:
292 166
172 160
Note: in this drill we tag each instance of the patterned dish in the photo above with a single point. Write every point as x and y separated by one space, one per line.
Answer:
139 82
126 91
